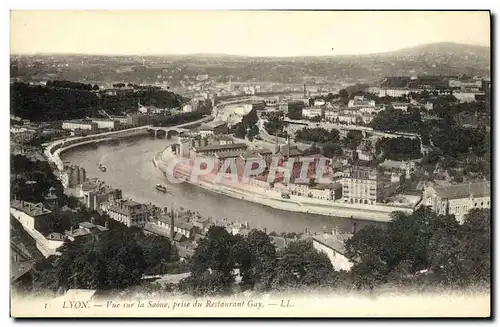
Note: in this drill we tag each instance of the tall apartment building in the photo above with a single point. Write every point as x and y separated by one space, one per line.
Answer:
362 185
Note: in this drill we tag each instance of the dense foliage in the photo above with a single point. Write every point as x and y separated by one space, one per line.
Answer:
397 121
425 246
260 266
399 148
31 180
115 260
39 103
248 126
275 126
62 100
72 85
353 139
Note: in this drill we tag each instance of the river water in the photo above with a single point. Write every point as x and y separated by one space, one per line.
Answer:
130 168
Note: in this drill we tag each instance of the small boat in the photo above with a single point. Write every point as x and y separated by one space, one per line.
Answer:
102 168
161 188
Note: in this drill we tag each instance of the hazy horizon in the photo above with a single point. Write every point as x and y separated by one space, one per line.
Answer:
232 54
241 33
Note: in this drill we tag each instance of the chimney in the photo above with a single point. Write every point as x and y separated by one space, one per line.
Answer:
71 230
92 221
265 230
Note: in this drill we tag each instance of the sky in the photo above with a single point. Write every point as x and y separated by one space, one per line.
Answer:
249 33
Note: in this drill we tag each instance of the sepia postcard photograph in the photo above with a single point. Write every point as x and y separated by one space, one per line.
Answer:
250 164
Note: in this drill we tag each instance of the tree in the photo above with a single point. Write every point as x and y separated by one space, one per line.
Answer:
157 251
353 139
212 264
114 261
260 260
252 132
399 148
343 94
240 131
299 264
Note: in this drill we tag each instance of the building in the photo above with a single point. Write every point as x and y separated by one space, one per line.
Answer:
272 102
110 124
151 110
182 229
258 105
123 120
467 96
319 102
139 120
87 125
95 192
333 245
362 185
213 128
348 118
127 212
406 167
313 112
36 216
366 118
86 231
294 109
397 92
360 102
400 106
21 266
364 154
331 115
187 108
457 199
212 150
73 175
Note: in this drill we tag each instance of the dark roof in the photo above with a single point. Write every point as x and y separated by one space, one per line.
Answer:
31 209
478 189
21 261
213 147
264 151
230 154
332 186
179 237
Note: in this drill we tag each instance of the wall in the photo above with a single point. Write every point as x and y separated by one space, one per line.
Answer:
339 261
47 247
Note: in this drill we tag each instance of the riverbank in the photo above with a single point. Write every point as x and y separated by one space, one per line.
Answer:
272 198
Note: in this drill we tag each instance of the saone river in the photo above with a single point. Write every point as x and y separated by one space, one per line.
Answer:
130 168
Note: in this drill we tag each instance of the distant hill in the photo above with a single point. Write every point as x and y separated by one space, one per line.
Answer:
443 48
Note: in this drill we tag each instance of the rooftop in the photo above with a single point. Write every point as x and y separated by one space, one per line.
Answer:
334 242
229 154
477 189
215 147
213 124
177 222
32 209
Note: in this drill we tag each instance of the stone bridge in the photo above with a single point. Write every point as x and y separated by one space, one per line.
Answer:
167 132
